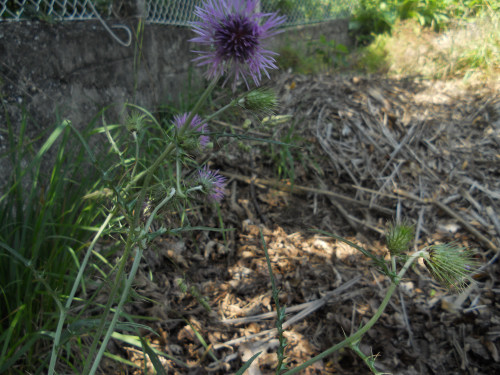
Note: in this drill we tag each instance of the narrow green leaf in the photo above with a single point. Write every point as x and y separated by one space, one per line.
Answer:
202 341
135 341
160 370
36 160
117 358
247 364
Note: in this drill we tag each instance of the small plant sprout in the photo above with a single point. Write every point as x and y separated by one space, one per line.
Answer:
233 32
449 264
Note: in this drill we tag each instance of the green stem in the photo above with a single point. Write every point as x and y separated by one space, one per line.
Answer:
178 178
148 173
171 146
157 208
64 312
134 134
223 109
111 140
111 298
279 311
356 336
369 360
118 311
195 188
198 105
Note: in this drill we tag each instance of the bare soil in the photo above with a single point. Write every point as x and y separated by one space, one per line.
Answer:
370 150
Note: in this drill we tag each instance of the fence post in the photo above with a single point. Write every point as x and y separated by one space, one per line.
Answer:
140 9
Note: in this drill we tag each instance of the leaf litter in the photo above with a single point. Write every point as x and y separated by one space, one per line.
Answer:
371 149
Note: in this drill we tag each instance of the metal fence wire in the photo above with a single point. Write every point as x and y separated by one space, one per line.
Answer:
168 12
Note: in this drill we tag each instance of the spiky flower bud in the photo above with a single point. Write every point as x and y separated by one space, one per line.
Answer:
450 265
398 237
260 101
193 139
135 121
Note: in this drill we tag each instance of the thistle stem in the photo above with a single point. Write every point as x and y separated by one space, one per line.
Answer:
131 239
128 284
157 208
223 109
356 336
118 311
178 178
121 269
171 146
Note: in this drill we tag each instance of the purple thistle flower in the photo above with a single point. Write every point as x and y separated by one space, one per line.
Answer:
197 124
213 183
234 32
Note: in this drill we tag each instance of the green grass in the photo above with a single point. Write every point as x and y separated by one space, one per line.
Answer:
469 50
44 225
317 56
374 17
284 157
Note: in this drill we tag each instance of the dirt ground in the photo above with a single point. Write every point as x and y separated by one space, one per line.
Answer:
371 149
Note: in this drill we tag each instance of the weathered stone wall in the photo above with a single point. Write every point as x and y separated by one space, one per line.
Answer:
76 68
72 70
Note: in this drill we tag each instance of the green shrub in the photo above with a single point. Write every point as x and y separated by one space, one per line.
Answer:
373 17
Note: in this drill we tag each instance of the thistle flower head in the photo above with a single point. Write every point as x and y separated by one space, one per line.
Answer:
213 183
233 33
450 265
398 237
197 124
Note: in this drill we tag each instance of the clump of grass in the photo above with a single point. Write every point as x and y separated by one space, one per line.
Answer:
374 57
316 56
285 155
44 225
470 49
296 60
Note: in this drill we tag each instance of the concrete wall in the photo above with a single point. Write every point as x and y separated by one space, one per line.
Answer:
76 68
72 70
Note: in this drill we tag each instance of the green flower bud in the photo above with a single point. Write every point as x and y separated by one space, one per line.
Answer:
450 265
398 237
135 121
261 101
194 137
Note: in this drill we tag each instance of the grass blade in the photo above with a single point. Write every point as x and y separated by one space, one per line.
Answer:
247 364
160 370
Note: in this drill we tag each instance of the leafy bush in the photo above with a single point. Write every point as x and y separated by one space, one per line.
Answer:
316 56
468 51
373 17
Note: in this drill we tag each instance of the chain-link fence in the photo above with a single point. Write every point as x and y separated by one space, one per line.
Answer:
181 12
171 12
46 10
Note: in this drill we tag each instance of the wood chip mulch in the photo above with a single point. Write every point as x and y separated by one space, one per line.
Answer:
371 149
